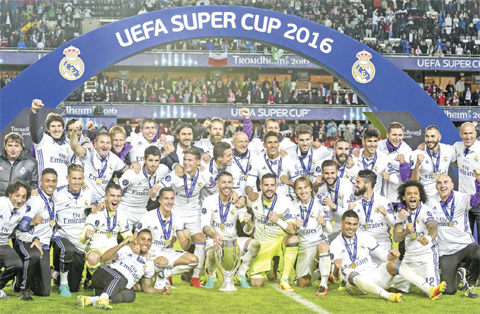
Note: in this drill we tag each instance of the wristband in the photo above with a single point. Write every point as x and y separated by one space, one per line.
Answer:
282 224
429 238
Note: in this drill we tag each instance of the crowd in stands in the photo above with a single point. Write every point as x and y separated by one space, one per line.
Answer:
188 90
414 27
454 95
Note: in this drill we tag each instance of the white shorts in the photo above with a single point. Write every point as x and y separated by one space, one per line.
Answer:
192 223
378 276
382 246
306 261
426 267
170 254
133 217
241 243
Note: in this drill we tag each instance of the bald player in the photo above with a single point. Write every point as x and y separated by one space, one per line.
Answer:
242 157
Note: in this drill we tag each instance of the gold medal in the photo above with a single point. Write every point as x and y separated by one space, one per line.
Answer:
366 225
436 175
167 242
99 181
246 176
115 179
222 226
450 224
188 200
353 265
414 236
52 223
109 234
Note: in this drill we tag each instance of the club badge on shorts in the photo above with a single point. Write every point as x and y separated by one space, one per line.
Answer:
71 67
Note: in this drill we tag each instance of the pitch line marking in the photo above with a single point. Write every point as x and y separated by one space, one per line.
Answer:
312 306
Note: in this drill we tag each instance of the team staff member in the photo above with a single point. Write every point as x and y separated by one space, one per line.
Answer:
115 281
455 240
33 242
12 209
16 163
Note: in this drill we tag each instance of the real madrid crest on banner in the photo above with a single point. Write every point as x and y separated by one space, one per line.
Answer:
71 67
363 71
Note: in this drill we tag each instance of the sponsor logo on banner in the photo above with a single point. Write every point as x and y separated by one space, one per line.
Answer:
363 71
71 67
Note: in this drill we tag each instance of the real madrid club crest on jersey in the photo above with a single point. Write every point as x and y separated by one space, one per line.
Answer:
71 67
363 71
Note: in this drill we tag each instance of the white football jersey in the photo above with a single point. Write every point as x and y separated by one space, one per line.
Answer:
162 229
379 164
133 266
265 230
311 233
53 154
139 144
212 187
242 165
305 165
406 151
215 216
454 236
96 167
207 145
414 250
9 219
37 206
70 214
467 161
259 149
117 223
349 174
427 178
280 166
378 225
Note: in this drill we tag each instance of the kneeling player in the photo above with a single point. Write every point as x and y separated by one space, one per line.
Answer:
272 231
352 253
166 227
313 225
101 229
115 281
219 218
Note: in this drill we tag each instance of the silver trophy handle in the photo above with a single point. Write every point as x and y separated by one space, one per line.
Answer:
228 275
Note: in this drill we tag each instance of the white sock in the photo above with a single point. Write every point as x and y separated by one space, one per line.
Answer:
200 253
104 296
211 263
55 274
181 269
324 264
412 277
249 257
64 278
366 286
93 299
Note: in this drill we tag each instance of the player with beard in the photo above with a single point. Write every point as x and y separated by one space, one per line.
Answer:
427 165
147 137
102 229
130 263
184 140
455 242
352 252
375 212
313 225
418 226
345 165
371 159
399 154
216 128
336 193
219 220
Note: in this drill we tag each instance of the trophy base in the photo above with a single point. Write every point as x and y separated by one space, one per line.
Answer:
228 287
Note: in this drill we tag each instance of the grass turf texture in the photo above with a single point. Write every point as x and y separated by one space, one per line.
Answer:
185 299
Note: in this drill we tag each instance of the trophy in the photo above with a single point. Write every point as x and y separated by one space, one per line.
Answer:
228 260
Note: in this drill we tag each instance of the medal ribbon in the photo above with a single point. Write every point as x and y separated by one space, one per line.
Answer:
239 164
271 206
51 210
307 170
188 193
223 215
100 172
166 226
110 229
149 178
310 207
445 209
366 165
415 220
211 169
368 211
353 256
335 192
436 164
342 168
270 167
